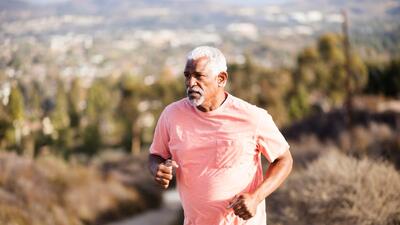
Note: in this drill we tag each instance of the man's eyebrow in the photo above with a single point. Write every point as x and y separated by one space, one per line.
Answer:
193 73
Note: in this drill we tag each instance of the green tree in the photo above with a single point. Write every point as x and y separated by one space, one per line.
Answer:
5 126
384 78
244 80
63 134
75 102
91 139
133 91
36 100
322 72
15 106
99 105
59 116
16 111
98 100
298 103
330 48
261 86
14 134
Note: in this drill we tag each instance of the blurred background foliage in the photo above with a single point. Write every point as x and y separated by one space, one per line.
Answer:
121 111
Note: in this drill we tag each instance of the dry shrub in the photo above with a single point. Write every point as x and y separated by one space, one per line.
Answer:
132 171
373 134
361 140
307 149
50 191
89 195
26 194
338 189
377 141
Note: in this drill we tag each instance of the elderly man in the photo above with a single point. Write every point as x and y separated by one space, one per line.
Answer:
214 141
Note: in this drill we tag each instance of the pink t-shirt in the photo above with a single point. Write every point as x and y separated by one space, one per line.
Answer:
218 154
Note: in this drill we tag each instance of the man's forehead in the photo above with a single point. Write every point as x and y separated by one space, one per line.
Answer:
199 64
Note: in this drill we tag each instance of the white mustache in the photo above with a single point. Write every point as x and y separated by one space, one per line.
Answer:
194 89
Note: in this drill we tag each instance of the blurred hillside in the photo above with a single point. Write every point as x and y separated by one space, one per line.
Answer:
338 189
92 38
74 115
50 191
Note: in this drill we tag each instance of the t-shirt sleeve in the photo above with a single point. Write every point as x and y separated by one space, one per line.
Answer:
270 140
159 146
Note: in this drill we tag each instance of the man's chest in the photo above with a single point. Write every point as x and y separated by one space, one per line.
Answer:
213 144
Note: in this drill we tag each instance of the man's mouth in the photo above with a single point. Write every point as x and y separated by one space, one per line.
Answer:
193 92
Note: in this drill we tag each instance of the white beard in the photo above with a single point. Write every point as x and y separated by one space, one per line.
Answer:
196 101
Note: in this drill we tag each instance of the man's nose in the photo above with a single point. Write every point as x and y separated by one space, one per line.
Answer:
191 81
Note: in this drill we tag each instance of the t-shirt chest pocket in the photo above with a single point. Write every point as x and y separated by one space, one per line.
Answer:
229 153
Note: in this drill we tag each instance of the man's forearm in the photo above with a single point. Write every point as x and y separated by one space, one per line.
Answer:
154 161
277 172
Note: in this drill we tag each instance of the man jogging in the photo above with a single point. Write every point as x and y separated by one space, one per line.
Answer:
214 141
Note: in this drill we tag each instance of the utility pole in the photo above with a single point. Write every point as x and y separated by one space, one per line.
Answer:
349 89
348 104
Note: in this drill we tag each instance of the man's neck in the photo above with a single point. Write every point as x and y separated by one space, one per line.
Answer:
213 104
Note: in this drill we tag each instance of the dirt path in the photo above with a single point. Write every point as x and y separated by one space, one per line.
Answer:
165 215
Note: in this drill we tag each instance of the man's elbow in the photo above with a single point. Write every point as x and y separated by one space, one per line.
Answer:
287 160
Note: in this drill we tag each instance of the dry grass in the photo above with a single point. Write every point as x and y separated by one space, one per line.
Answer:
50 191
377 140
337 189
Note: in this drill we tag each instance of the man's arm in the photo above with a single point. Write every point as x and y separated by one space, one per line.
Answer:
245 205
161 169
277 172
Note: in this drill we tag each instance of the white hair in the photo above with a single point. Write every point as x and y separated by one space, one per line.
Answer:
217 61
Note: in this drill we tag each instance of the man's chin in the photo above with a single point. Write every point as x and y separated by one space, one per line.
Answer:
195 101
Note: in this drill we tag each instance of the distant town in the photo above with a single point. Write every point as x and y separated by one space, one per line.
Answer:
91 41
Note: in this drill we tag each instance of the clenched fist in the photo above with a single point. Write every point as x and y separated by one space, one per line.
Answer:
163 173
244 206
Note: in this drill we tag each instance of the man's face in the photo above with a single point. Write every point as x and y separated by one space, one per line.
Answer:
201 84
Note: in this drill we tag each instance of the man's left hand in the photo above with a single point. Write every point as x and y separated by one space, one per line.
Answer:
244 206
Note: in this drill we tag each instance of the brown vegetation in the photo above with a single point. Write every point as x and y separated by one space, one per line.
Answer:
373 134
50 191
338 189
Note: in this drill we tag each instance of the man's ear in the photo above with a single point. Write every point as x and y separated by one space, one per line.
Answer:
222 79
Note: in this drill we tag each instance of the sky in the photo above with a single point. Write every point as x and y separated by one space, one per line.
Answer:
236 2
44 2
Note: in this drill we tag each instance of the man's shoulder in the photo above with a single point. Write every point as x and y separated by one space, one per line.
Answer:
176 106
245 106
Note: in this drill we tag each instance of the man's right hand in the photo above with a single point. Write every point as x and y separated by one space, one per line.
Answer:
164 173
